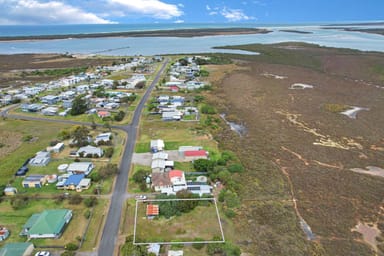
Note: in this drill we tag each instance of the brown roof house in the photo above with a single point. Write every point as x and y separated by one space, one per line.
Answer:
160 180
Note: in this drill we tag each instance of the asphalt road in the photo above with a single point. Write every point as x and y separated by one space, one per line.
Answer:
110 232
111 228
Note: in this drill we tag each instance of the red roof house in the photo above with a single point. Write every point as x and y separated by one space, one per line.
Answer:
103 113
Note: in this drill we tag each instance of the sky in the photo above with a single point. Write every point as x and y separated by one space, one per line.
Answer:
41 12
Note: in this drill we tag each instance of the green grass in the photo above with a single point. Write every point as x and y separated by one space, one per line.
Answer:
202 223
43 132
15 219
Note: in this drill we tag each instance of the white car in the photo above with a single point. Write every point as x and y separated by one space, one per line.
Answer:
141 197
43 253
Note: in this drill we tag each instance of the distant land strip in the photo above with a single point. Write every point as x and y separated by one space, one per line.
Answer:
295 31
155 33
378 31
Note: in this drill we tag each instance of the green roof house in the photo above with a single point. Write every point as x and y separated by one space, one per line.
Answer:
48 224
17 249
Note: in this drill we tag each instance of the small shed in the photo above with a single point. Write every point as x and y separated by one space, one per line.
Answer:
10 191
152 211
83 185
4 233
34 181
154 248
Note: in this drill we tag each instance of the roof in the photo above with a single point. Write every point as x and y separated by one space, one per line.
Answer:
90 150
84 182
195 153
79 166
158 163
175 173
74 179
160 179
50 222
152 209
15 249
160 155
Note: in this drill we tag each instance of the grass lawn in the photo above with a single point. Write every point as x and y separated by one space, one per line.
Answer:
15 219
95 227
42 134
174 134
202 222
133 187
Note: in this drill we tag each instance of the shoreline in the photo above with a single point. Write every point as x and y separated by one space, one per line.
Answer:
152 33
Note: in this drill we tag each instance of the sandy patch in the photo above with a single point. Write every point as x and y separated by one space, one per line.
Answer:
371 170
299 86
352 113
369 232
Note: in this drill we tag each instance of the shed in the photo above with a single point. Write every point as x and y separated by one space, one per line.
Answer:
34 181
47 224
157 145
41 158
57 148
154 248
17 249
4 233
152 211
80 167
10 191
195 154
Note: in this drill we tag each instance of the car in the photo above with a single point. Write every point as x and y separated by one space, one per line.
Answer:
43 253
22 171
141 197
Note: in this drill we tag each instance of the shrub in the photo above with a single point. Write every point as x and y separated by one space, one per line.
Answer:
200 245
230 213
18 203
208 109
68 253
235 168
71 247
108 152
90 201
75 199
87 214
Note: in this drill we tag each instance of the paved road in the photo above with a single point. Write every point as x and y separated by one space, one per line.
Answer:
111 227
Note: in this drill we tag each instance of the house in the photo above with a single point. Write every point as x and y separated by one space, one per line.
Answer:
67 103
160 180
174 88
50 111
31 107
177 178
169 182
50 99
82 88
17 249
34 181
73 181
157 145
84 184
192 155
47 224
103 113
10 191
4 233
57 148
90 151
104 137
154 248
171 116
152 211
42 158
80 167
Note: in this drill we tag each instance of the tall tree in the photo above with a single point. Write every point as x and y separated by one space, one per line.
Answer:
79 106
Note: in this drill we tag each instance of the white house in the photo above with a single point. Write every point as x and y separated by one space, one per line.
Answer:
105 137
80 167
57 148
42 158
90 151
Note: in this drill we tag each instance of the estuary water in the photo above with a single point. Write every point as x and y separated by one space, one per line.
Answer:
176 45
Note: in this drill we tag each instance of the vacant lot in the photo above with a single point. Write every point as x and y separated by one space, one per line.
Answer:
200 223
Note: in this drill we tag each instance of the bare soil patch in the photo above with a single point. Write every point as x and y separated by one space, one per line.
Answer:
9 141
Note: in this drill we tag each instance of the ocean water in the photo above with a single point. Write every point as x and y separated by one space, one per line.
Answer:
173 45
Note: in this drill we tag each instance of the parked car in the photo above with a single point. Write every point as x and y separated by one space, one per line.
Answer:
22 171
141 197
43 253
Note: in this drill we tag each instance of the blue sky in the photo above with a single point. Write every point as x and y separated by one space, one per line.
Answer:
30 12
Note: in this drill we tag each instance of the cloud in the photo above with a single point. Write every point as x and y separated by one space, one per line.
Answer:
30 12
148 8
235 14
208 7
178 21
213 13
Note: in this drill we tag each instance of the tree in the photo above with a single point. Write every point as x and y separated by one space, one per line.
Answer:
108 152
208 109
119 116
203 165
108 170
80 136
90 201
79 106
75 199
187 205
